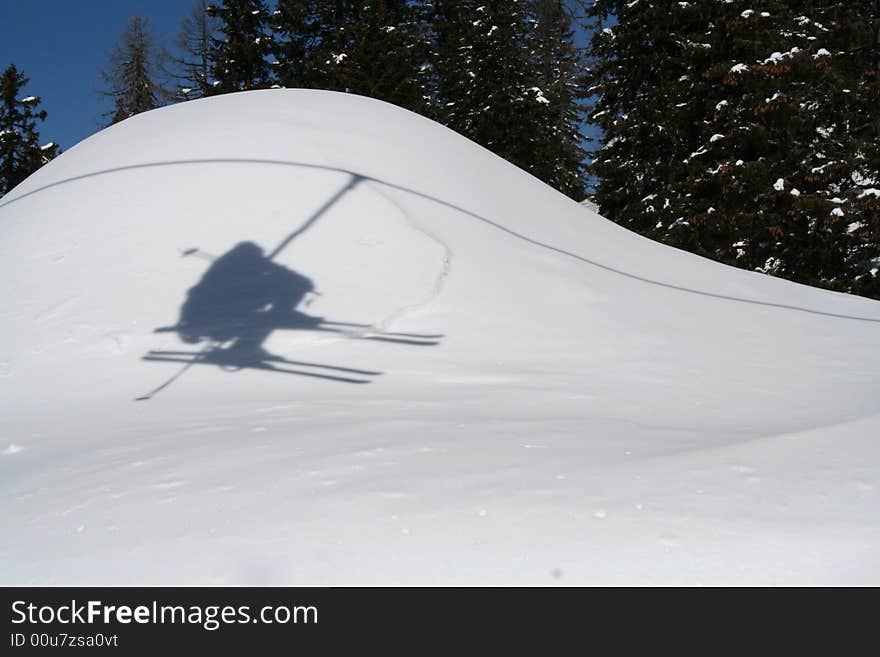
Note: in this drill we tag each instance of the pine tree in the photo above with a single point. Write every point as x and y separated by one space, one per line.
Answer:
558 155
507 75
20 150
192 63
132 74
742 132
239 54
312 37
855 63
485 80
295 35
385 54
370 48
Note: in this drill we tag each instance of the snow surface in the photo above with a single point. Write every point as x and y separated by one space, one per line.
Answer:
596 408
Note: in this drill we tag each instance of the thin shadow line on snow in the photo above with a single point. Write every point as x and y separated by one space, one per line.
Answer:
361 178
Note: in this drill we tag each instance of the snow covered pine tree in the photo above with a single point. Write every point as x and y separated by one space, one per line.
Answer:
239 53
20 151
131 76
504 79
373 49
746 132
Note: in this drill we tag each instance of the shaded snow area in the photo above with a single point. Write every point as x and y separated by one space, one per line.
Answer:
297 337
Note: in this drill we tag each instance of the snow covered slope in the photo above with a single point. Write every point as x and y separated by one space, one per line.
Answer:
530 393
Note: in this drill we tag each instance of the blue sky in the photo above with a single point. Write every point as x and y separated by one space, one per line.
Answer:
62 45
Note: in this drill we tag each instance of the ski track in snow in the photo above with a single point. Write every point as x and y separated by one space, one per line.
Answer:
442 275
55 310
446 265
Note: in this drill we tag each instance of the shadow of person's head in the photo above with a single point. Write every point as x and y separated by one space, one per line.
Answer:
242 297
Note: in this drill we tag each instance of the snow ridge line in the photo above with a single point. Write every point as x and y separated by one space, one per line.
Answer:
453 206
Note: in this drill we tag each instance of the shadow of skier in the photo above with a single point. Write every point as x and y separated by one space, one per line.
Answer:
240 300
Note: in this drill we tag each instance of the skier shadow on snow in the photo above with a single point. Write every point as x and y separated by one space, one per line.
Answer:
240 300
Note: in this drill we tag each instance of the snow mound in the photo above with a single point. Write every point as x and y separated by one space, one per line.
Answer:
300 337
